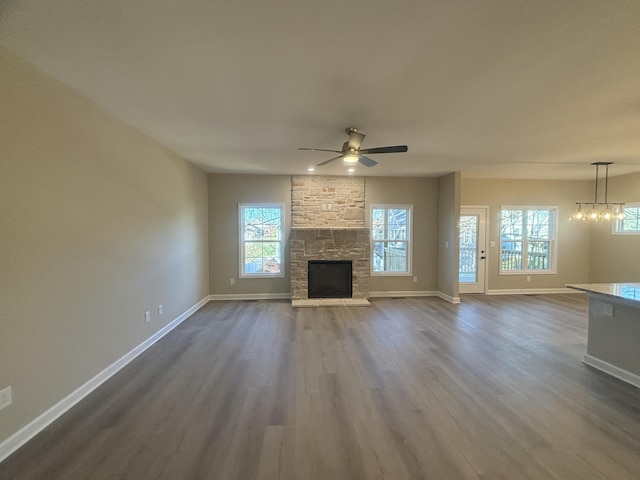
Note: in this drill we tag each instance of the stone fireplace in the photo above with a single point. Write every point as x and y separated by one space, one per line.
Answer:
329 244
328 224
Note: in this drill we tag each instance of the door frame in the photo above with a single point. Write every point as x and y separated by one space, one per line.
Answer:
485 213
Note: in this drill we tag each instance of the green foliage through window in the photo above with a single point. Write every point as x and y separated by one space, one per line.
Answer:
261 240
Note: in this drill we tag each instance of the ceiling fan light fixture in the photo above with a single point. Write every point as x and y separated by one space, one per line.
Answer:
350 158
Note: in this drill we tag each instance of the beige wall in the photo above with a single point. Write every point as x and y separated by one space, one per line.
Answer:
422 193
573 237
99 225
616 258
225 193
435 222
448 234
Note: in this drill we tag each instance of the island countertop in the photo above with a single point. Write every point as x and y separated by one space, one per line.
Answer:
623 291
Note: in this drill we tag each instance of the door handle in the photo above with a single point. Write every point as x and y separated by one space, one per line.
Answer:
483 258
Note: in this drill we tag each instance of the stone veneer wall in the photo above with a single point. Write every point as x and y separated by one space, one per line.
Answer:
327 223
329 244
327 202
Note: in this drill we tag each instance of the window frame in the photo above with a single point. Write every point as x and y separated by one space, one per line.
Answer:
242 241
618 223
408 241
553 241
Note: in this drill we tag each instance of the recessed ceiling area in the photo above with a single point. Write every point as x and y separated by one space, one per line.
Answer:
509 89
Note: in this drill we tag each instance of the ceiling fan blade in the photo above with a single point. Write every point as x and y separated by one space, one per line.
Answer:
355 139
328 161
319 150
366 161
394 149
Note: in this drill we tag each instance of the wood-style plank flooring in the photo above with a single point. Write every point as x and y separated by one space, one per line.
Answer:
493 388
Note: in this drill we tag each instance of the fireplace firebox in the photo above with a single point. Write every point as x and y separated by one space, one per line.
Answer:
330 279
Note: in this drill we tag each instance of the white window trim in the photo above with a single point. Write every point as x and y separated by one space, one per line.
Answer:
616 222
553 242
241 273
409 271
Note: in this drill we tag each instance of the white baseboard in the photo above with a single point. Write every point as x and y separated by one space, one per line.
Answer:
612 370
531 291
403 293
26 433
250 296
448 298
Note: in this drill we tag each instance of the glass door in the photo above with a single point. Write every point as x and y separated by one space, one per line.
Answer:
471 272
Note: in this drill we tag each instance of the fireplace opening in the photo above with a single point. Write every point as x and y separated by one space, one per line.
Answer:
330 279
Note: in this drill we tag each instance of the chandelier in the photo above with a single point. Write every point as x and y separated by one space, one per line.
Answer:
596 210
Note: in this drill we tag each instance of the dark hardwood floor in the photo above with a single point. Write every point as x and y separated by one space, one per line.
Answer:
493 388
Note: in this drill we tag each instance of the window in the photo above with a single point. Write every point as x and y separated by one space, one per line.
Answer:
391 239
261 232
630 224
528 239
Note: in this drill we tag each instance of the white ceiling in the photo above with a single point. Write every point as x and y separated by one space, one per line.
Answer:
492 88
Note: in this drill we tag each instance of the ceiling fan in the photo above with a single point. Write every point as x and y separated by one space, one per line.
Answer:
351 152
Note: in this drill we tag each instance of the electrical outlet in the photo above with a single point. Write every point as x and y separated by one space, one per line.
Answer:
159 309
6 397
232 281
415 279
147 316
528 278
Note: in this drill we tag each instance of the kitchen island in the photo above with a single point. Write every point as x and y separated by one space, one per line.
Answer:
613 339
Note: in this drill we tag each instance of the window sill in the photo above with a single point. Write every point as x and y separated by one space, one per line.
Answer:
529 272
279 275
391 274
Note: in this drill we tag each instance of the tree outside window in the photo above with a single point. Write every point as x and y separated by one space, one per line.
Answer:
527 239
630 224
391 237
261 232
